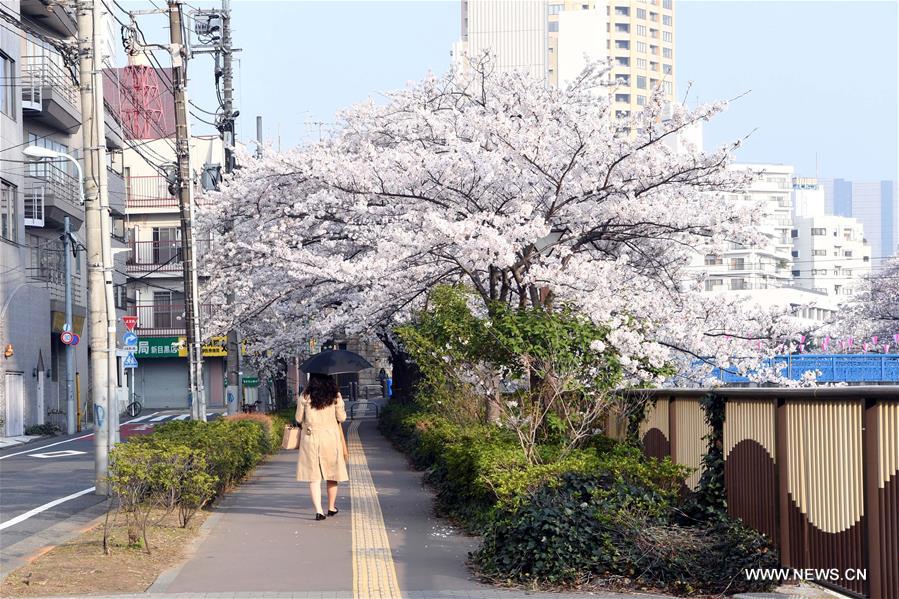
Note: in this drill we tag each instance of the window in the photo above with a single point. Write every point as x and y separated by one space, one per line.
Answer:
168 310
667 69
33 214
667 20
819 232
654 66
667 36
8 222
667 53
713 284
555 9
738 284
641 63
653 83
667 4
819 252
641 100
623 61
794 233
641 82
847 253
641 13
737 264
622 114
623 79
654 33
795 253
667 87
641 30
622 28
654 17
797 273
166 245
7 86
623 98
654 50
121 296
713 260
642 47
622 45
622 11
553 26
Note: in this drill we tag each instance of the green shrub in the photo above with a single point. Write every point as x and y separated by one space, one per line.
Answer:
43 429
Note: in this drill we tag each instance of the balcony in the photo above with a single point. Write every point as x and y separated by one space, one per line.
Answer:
48 92
150 192
51 194
164 319
59 17
46 265
117 192
162 257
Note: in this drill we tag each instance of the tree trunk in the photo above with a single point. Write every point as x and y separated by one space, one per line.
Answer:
282 389
406 374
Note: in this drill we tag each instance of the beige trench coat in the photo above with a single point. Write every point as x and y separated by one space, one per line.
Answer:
321 448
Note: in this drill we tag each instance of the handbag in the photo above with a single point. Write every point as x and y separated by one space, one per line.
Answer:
346 452
291 437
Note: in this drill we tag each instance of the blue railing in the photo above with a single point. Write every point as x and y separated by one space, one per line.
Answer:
833 368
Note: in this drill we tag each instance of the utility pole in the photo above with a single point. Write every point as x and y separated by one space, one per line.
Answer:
67 248
184 185
99 250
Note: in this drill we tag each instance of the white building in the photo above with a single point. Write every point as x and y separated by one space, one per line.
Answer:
830 253
766 265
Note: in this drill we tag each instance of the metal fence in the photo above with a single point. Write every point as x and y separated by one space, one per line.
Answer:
832 368
817 470
46 71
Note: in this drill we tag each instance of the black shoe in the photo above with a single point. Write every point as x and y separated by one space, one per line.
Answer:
333 512
320 516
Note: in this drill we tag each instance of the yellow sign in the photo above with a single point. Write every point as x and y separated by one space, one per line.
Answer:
59 319
216 348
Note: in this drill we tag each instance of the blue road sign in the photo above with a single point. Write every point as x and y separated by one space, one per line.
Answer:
130 361
129 339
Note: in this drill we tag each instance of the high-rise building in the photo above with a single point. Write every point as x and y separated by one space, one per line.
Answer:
875 204
552 39
830 253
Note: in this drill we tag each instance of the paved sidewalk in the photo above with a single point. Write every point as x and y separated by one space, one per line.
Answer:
19 440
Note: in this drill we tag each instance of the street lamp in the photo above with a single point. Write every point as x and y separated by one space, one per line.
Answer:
39 154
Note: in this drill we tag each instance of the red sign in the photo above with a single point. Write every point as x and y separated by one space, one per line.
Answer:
130 322
67 337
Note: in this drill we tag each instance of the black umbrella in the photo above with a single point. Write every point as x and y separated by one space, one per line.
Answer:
337 361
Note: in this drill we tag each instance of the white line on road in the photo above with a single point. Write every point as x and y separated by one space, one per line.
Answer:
140 418
43 508
160 418
33 449
181 417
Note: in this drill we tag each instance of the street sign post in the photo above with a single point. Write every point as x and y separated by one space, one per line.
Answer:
130 361
130 322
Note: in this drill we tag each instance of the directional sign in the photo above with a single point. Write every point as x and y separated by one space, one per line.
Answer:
75 338
129 340
130 361
130 322
67 337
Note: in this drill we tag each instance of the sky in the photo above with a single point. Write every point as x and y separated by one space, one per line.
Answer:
821 75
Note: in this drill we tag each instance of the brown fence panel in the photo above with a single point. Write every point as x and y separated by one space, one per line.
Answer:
750 468
654 433
884 489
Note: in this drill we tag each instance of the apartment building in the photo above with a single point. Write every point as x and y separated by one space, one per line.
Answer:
552 39
830 253
155 275
41 107
767 265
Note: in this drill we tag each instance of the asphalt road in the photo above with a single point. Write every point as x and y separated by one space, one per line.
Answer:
40 481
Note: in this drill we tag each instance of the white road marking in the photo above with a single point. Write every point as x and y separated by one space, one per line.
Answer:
56 454
43 508
33 449
160 418
140 418
181 417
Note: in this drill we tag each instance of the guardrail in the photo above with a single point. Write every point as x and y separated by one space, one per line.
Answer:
833 368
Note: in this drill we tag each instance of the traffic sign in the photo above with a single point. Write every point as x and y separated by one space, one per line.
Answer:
129 340
67 337
75 338
130 361
130 322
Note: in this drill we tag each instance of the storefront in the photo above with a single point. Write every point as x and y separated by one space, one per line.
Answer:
160 379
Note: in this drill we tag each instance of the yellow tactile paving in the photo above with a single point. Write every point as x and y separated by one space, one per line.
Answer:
374 574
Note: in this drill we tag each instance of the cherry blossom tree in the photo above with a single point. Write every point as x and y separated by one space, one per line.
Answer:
530 195
873 312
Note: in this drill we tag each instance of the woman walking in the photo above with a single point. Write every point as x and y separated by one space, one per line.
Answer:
323 451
